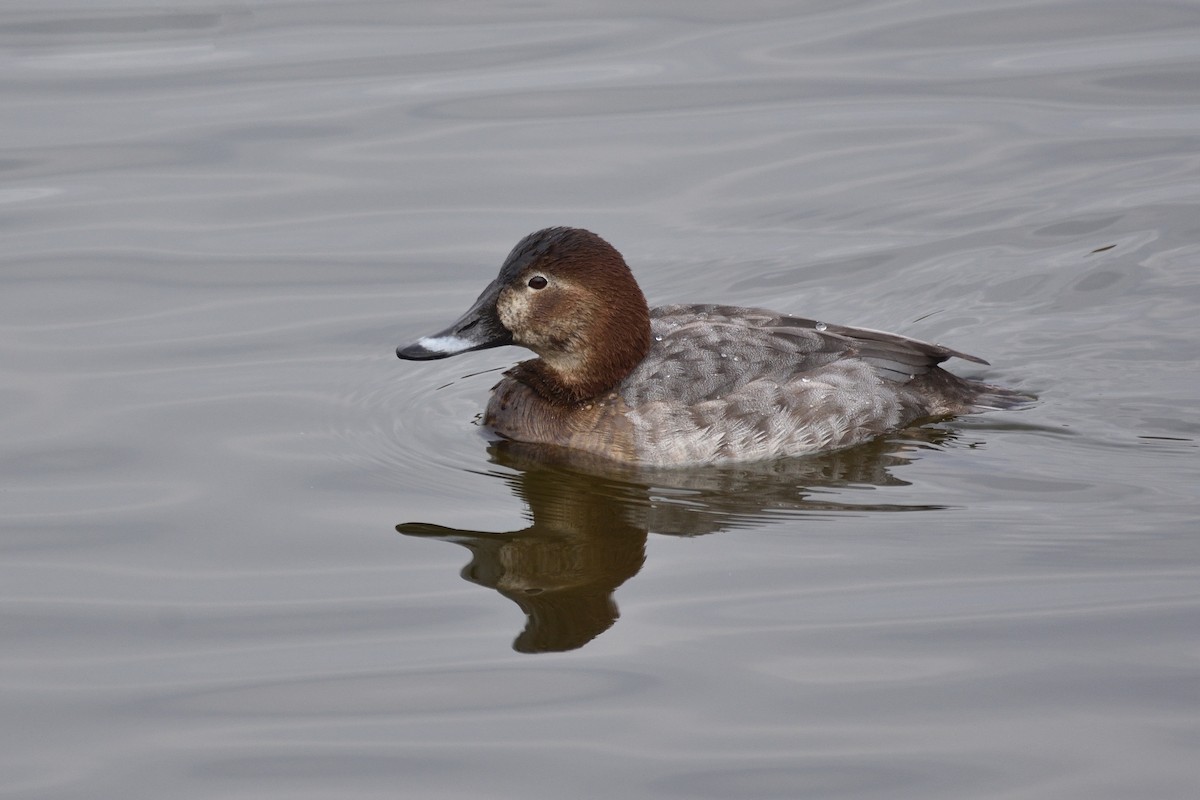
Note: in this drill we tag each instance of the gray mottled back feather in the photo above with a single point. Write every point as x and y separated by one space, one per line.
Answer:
727 383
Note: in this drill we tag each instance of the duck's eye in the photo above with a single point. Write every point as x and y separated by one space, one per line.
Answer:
537 282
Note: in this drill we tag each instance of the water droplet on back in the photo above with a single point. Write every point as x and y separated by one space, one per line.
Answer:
821 326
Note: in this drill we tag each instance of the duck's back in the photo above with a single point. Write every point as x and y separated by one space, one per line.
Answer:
723 383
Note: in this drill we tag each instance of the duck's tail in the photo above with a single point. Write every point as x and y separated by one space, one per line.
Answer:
988 397
939 393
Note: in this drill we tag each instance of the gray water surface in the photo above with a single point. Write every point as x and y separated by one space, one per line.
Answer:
219 219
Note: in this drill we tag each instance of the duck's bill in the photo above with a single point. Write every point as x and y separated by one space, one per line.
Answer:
478 329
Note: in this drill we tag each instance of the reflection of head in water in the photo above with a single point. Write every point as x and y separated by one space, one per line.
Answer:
562 580
589 522
563 569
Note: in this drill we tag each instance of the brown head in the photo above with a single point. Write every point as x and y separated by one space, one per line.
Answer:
567 295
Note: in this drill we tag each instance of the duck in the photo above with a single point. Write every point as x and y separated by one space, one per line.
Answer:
684 385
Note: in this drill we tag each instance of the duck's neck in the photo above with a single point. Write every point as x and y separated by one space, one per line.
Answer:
596 363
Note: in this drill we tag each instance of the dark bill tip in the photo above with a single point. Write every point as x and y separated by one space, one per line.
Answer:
419 352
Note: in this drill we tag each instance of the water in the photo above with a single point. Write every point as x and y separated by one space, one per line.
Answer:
219 220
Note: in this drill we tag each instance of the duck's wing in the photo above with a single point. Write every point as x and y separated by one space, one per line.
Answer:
894 357
803 345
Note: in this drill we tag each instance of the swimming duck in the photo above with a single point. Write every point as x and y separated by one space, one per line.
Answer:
686 384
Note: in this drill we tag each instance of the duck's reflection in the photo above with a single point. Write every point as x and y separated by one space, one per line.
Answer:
590 522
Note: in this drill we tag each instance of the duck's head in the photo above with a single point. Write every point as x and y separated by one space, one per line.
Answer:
567 295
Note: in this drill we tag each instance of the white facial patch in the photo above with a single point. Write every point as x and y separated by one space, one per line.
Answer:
445 344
